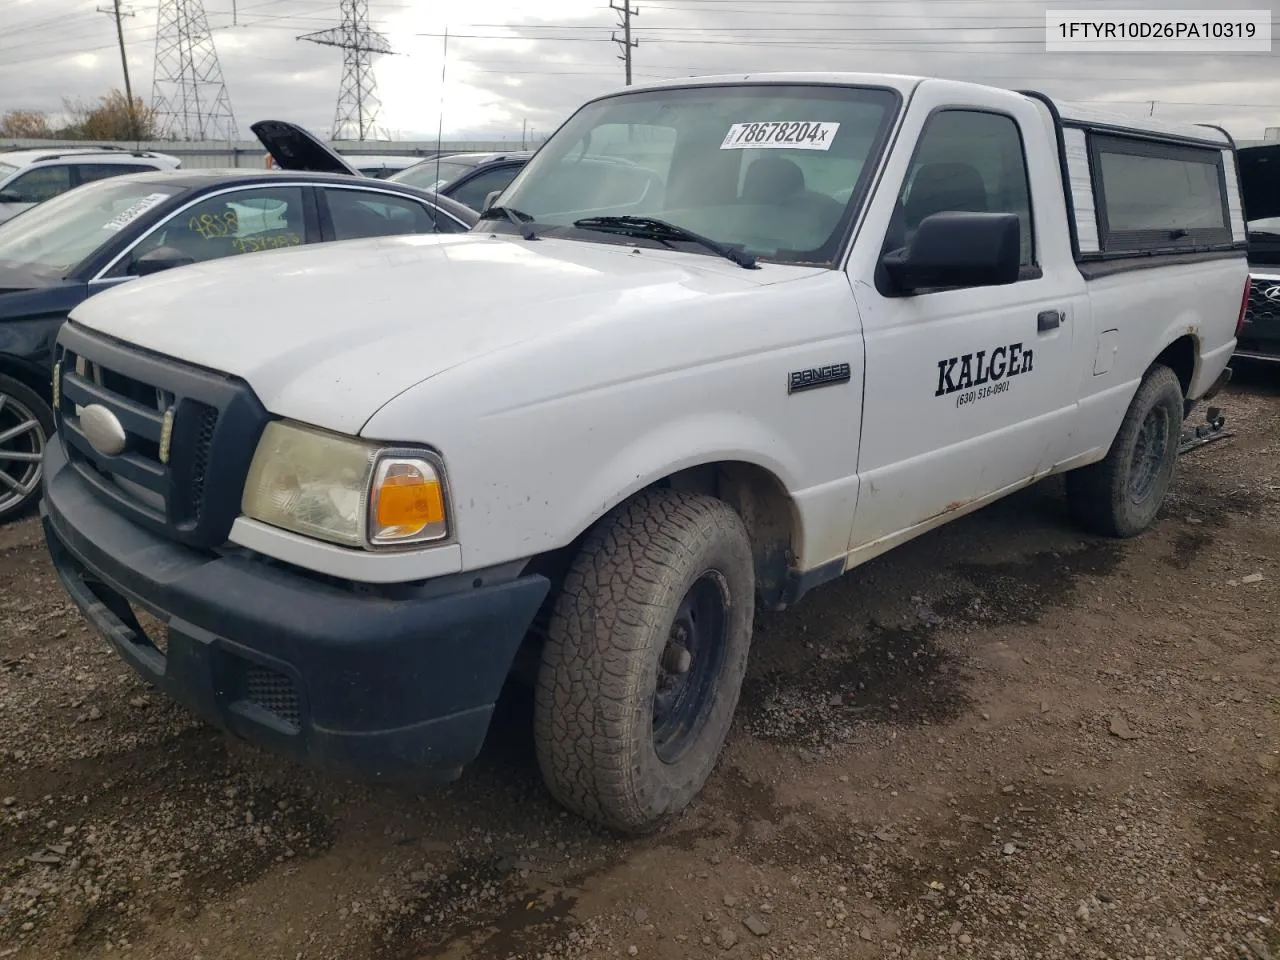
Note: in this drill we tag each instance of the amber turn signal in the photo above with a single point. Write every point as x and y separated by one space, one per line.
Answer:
407 503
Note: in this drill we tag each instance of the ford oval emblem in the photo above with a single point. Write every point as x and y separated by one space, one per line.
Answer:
103 430
1272 293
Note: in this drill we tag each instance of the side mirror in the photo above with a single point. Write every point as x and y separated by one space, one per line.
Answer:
161 258
957 249
7 197
490 199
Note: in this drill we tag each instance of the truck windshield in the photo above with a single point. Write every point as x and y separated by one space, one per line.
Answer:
776 171
54 236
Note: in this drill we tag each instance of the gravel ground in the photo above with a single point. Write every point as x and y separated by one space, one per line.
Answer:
1004 740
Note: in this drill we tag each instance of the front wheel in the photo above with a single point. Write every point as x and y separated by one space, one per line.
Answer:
26 423
644 660
1120 495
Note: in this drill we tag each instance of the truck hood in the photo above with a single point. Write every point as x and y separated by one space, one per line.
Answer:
329 334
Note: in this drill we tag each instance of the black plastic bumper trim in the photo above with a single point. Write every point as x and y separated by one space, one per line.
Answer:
385 689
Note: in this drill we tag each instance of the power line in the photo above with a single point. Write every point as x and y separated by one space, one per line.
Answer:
59 22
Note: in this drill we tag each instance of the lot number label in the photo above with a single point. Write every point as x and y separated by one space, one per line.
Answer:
780 135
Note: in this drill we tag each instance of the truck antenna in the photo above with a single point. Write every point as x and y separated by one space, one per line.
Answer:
444 65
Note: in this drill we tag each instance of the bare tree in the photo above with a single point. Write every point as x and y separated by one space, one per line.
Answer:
110 119
25 125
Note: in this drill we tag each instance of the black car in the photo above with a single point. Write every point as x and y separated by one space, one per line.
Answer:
1259 337
59 253
465 177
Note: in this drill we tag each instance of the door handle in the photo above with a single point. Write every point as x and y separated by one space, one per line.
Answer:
1048 320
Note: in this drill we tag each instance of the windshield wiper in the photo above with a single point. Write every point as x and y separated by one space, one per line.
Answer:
656 229
518 217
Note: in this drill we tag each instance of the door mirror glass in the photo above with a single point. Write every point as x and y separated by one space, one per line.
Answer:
9 197
957 249
161 258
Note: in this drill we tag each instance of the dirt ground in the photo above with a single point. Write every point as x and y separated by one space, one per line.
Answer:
1004 740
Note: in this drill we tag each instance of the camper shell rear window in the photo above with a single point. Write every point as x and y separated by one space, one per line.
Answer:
1155 197
1135 195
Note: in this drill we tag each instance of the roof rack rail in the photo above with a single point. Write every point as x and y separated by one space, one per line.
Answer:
60 153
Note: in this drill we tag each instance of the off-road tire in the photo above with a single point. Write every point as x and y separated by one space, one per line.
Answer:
1100 495
610 626
19 396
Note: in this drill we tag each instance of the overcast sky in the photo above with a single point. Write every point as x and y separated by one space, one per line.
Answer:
507 67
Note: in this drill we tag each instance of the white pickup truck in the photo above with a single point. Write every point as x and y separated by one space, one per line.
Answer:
793 321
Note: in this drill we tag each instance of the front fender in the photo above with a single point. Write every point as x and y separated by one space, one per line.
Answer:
26 348
542 440
675 446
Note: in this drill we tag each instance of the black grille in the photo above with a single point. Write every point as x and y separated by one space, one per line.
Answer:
274 693
187 485
200 459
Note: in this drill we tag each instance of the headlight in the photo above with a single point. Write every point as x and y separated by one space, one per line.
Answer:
344 490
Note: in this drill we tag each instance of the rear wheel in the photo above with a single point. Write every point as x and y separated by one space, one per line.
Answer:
1120 495
644 660
26 423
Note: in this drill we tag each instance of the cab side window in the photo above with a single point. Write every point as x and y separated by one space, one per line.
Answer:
40 184
966 160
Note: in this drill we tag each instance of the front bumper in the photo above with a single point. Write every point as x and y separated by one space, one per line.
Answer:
398 689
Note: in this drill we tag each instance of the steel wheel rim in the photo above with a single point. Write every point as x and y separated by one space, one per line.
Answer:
22 443
1149 453
683 698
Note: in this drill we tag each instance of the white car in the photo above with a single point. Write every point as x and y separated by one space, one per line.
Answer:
28 177
635 402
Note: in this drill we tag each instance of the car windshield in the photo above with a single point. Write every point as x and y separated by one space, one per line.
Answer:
54 236
430 175
776 171
6 169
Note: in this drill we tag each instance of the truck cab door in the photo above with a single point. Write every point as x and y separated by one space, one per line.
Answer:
970 390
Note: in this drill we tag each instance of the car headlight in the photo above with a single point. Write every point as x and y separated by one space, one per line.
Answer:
344 490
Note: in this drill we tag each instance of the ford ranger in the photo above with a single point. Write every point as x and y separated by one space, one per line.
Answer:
792 321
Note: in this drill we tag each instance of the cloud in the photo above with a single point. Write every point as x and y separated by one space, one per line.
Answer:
510 70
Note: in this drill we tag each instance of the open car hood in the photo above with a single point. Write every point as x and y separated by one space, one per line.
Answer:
295 148
1260 181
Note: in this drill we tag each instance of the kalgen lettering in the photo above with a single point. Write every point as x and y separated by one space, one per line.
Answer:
976 369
